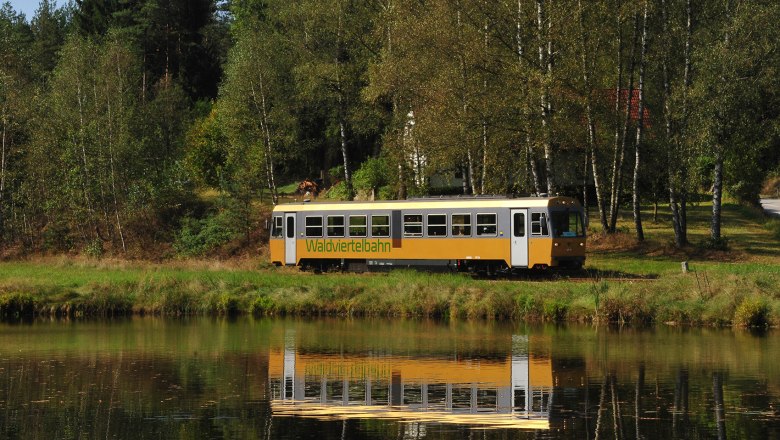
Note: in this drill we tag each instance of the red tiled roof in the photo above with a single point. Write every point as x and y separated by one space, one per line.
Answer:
634 110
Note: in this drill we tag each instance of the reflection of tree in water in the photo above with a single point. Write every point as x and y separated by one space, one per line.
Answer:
127 395
680 400
720 411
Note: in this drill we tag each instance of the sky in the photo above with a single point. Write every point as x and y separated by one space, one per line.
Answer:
28 7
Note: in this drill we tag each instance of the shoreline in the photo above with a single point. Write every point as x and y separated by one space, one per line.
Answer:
742 295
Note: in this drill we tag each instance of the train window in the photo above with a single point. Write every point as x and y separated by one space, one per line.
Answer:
486 224
567 224
314 226
380 225
539 223
413 225
437 225
461 225
335 226
276 227
357 225
290 227
519 224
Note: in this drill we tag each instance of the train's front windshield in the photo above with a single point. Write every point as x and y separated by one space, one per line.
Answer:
567 224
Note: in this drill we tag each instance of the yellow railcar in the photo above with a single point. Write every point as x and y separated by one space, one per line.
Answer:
463 234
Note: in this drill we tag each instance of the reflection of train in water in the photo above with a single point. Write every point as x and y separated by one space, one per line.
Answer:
475 234
513 391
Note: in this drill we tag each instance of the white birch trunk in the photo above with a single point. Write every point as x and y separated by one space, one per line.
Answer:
269 158
592 139
717 178
2 174
640 235
618 175
545 63
618 85
342 116
111 155
483 180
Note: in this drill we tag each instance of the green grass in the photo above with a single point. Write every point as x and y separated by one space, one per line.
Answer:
734 287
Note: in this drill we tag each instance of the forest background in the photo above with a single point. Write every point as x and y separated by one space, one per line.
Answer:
154 128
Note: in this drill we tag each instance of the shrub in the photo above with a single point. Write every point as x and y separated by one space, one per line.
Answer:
15 305
227 304
199 237
262 305
752 312
94 249
555 310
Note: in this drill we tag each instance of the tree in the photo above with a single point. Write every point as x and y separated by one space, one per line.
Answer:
15 89
735 96
254 112
640 235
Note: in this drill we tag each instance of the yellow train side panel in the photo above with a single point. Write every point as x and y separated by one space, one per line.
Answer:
276 247
411 249
540 251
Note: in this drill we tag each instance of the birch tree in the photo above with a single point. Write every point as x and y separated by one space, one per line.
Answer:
640 236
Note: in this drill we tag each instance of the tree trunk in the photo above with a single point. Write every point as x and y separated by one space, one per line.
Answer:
592 139
717 178
261 107
617 178
671 158
640 235
618 85
687 84
545 63
483 180
472 189
717 195
111 157
534 168
2 175
269 157
85 178
530 160
463 127
342 112
585 206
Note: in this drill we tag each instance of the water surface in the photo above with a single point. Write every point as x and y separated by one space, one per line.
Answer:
374 378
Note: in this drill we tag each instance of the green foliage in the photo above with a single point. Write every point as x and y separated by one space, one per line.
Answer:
198 237
113 115
752 312
16 305
338 192
371 175
261 305
56 237
206 156
555 309
94 249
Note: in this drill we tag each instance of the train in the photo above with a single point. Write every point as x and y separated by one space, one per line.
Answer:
484 235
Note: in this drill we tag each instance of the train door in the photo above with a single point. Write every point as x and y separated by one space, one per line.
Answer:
519 237
289 238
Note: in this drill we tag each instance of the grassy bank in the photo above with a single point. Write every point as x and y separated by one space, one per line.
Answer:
739 294
626 282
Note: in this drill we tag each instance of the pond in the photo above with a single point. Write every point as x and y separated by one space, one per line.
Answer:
377 378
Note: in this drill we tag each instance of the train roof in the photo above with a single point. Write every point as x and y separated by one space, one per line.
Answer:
431 203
